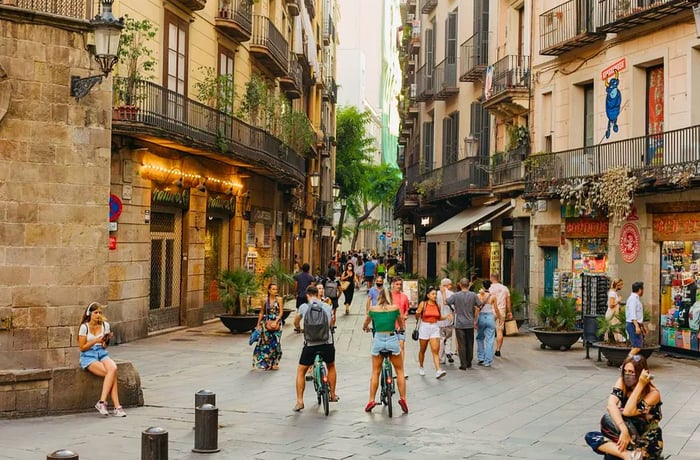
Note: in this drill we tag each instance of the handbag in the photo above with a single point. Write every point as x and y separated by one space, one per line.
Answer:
511 327
344 285
612 431
254 336
415 334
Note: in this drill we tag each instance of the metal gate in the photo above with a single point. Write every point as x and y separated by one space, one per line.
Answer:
166 257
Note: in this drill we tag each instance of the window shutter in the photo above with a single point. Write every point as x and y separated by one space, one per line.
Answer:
446 141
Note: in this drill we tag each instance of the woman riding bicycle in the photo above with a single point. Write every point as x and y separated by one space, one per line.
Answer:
385 315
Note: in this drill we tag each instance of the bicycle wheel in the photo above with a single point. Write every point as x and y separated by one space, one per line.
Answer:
318 383
387 381
325 395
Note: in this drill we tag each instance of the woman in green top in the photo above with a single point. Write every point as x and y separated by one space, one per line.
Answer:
385 316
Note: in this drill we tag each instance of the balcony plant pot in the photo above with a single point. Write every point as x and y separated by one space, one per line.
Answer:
125 113
616 353
558 316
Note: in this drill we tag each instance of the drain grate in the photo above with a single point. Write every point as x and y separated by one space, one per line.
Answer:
182 340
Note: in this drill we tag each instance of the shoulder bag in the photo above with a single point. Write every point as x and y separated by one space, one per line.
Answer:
415 334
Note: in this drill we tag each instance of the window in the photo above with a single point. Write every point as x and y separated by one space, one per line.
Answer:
479 127
588 116
451 49
226 60
450 139
428 136
175 68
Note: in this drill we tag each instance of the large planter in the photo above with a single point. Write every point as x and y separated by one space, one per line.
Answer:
239 323
615 354
556 340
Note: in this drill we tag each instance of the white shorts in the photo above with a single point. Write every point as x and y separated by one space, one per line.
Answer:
428 331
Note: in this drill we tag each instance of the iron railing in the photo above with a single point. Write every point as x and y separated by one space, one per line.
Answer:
510 73
328 30
658 155
567 26
446 78
78 9
463 176
426 83
508 167
429 6
265 34
239 11
178 117
617 15
473 57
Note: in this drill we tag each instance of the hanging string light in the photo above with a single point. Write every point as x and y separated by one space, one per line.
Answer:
192 178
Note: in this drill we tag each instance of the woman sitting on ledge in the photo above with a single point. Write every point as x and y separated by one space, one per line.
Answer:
93 337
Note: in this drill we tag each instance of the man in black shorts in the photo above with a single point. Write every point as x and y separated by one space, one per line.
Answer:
326 348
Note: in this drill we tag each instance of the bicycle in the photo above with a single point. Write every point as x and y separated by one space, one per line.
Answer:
321 384
388 385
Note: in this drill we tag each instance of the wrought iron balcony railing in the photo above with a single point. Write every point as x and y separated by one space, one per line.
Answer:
508 167
292 83
446 78
157 112
425 81
510 73
474 53
566 27
268 39
619 15
235 19
469 175
429 6
660 156
78 9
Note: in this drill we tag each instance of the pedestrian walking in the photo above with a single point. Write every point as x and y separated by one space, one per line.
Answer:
501 296
302 280
400 300
614 308
268 350
634 316
446 326
465 304
94 335
347 281
486 326
429 315
373 293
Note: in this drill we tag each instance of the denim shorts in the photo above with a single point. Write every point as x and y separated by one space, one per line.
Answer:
90 356
385 341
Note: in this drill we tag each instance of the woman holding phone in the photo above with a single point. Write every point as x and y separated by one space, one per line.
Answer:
93 336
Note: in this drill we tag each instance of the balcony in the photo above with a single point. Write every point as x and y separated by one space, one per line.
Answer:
566 27
463 177
509 90
404 202
328 30
414 44
429 6
618 15
508 168
446 79
234 19
76 9
474 53
311 7
291 83
425 84
168 119
194 5
269 46
292 7
661 159
331 92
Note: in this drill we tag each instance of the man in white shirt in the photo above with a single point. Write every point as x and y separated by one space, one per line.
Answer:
501 296
634 315
447 327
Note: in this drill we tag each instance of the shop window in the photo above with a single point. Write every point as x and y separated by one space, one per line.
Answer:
680 311
166 249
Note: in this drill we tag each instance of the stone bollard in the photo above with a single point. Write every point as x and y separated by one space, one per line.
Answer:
206 429
204 397
154 444
64 454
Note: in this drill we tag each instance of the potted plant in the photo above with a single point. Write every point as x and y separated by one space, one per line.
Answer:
558 317
136 61
235 287
519 305
611 330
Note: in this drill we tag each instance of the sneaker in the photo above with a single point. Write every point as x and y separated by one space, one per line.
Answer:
440 374
119 412
421 371
101 407
498 353
404 406
481 362
450 359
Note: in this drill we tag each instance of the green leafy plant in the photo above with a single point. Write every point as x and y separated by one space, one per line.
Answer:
456 269
517 136
517 301
296 131
277 273
235 286
608 328
135 57
216 91
556 313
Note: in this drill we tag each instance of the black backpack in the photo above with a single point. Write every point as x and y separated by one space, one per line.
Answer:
330 288
316 324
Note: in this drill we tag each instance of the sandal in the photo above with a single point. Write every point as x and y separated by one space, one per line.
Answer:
298 407
404 406
371 405
335 398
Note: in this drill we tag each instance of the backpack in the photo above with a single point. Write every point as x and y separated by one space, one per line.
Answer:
330 288
316 327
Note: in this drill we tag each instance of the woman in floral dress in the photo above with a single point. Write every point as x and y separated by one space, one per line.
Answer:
268 351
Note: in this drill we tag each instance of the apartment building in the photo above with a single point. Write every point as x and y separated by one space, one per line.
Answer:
465 102
615 124
138 191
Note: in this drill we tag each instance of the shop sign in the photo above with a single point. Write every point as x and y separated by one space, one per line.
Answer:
586 228
225 203
629 242
168 197
676 227
547 235
261 215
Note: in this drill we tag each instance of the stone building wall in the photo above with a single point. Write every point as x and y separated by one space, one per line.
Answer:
54 191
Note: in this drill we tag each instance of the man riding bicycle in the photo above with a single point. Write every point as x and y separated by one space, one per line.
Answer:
385 315
317 339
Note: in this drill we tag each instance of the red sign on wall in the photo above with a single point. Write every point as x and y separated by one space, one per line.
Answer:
586 228
629 242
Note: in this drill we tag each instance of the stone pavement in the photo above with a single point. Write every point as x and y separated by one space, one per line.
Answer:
532 404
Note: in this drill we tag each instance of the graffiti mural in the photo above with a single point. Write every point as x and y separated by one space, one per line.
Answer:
613 98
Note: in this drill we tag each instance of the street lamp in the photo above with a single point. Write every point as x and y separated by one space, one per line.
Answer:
336 191
315 178
108 29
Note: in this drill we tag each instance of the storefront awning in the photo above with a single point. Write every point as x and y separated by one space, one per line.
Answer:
466 220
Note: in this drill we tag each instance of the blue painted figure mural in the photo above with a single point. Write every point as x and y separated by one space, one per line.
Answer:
613 102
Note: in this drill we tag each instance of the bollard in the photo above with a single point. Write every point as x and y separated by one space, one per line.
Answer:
206 429
154 444
204 397
62 454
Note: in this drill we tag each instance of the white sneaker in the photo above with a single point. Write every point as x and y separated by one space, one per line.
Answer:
119 412
421 371
440 374
101 407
